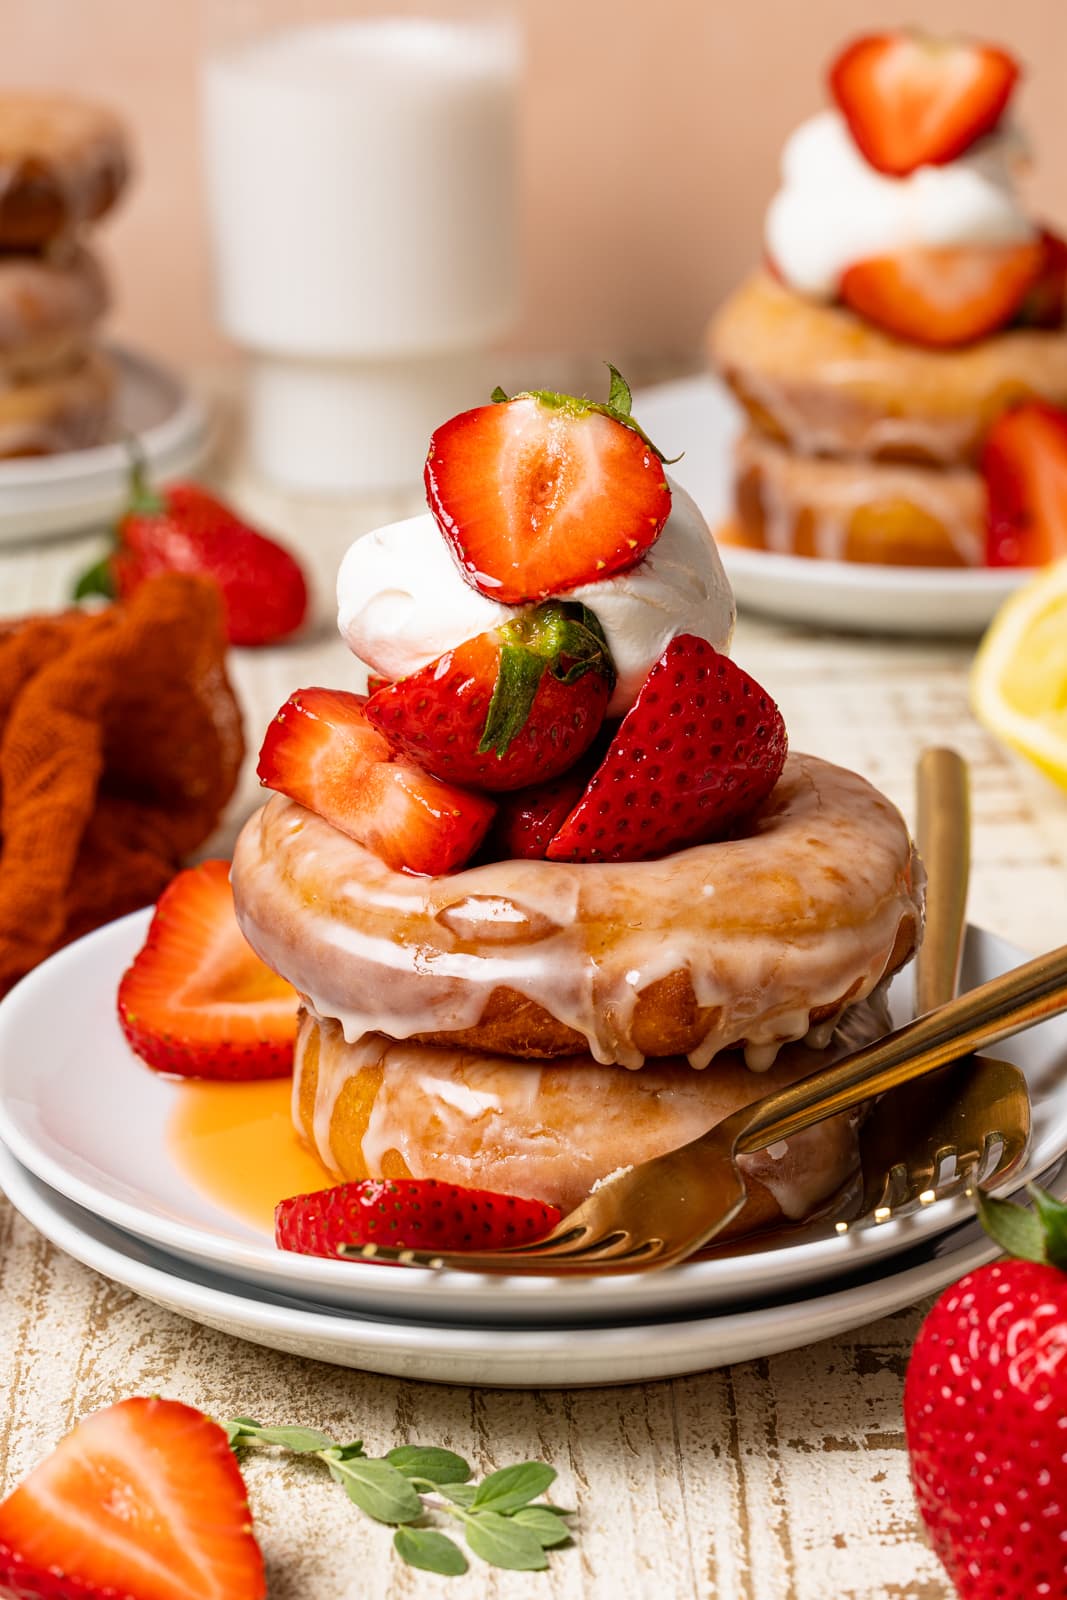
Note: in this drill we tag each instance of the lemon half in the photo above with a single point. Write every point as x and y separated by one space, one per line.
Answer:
1019 679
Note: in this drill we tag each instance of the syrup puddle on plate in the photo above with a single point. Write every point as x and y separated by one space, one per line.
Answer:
236 1144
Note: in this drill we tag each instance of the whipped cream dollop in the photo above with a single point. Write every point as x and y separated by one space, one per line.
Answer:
834 209
402 601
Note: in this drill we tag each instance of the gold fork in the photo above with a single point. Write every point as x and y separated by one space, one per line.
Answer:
971 1120
664 1210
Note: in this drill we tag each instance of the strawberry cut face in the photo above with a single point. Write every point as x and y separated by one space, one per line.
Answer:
944 298
537 496
1024 463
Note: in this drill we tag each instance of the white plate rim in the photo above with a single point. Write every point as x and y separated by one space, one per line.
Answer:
705 1282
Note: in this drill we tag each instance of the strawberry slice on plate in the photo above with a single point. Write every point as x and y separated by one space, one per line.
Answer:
408 1213
322 750
1044 301
944 298
506 708
1024 463
142 1501
541 493
911 99
700 748
197 1000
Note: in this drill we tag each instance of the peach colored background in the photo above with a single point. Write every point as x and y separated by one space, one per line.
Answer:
651 135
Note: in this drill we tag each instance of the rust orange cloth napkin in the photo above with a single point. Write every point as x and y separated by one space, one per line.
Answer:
120 743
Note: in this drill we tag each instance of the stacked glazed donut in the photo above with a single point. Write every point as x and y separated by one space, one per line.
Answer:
554 894
907 300
62 166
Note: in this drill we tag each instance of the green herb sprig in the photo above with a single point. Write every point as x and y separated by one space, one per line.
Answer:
504 1518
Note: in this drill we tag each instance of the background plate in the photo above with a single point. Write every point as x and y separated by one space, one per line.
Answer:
86 1117
479 1355
45 495
699 416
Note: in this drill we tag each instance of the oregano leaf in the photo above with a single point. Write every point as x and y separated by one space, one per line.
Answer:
460 1494
430 1551
301 1441
504 1543
378 1489
513 1487
439 1466
546 1525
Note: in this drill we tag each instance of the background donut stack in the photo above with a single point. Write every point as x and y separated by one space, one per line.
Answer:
63 164
907 300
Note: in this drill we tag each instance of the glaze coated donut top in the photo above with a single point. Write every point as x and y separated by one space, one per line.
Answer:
757 940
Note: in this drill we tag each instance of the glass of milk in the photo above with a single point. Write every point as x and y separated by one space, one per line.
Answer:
361 180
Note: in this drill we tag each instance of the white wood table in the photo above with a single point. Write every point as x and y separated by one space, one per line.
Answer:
779 1479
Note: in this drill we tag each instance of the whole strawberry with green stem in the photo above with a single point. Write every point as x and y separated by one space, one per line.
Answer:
985 1412
182 528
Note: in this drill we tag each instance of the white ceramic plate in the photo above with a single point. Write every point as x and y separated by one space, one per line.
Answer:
46 495
699 416
483 1355
85 1116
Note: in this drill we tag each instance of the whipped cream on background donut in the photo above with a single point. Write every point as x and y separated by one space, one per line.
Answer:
833 209
402 600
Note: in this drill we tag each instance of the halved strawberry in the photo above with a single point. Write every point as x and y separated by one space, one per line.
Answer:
943 298
701 747
408 1213
1044 301
321 750
376 681
142 1501
197 1000
527 820
912 100
515 704
1024 463
543 492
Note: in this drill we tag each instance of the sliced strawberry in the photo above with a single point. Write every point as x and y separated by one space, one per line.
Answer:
913 100
376 681
197 1000
1044 302
701 747
527 820
408 1213
1024 463
943 298
142 1501
518 703
544 492
321 750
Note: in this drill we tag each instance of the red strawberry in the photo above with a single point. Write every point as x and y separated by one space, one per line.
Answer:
376 681
944 298
912 100
544 492
528 819
143 1501
197 1000
408 1213
985 1413
1043 306
518 703
702 746
1024 463
184 529
321 750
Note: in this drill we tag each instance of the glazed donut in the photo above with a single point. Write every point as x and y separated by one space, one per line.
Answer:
827 382
62 163
48 304
890 513
756 940
378 1109
67 410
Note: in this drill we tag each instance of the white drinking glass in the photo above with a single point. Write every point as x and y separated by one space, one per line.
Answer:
361 176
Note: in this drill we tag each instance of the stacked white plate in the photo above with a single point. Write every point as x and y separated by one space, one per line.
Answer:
86 1159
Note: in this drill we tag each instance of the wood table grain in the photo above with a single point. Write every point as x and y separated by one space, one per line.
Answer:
777 1479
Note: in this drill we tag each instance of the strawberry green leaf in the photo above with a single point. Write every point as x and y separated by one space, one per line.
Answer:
620 398
563 638
96 580
1017 1231
1052 1214
616 407
499 396
430 1551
